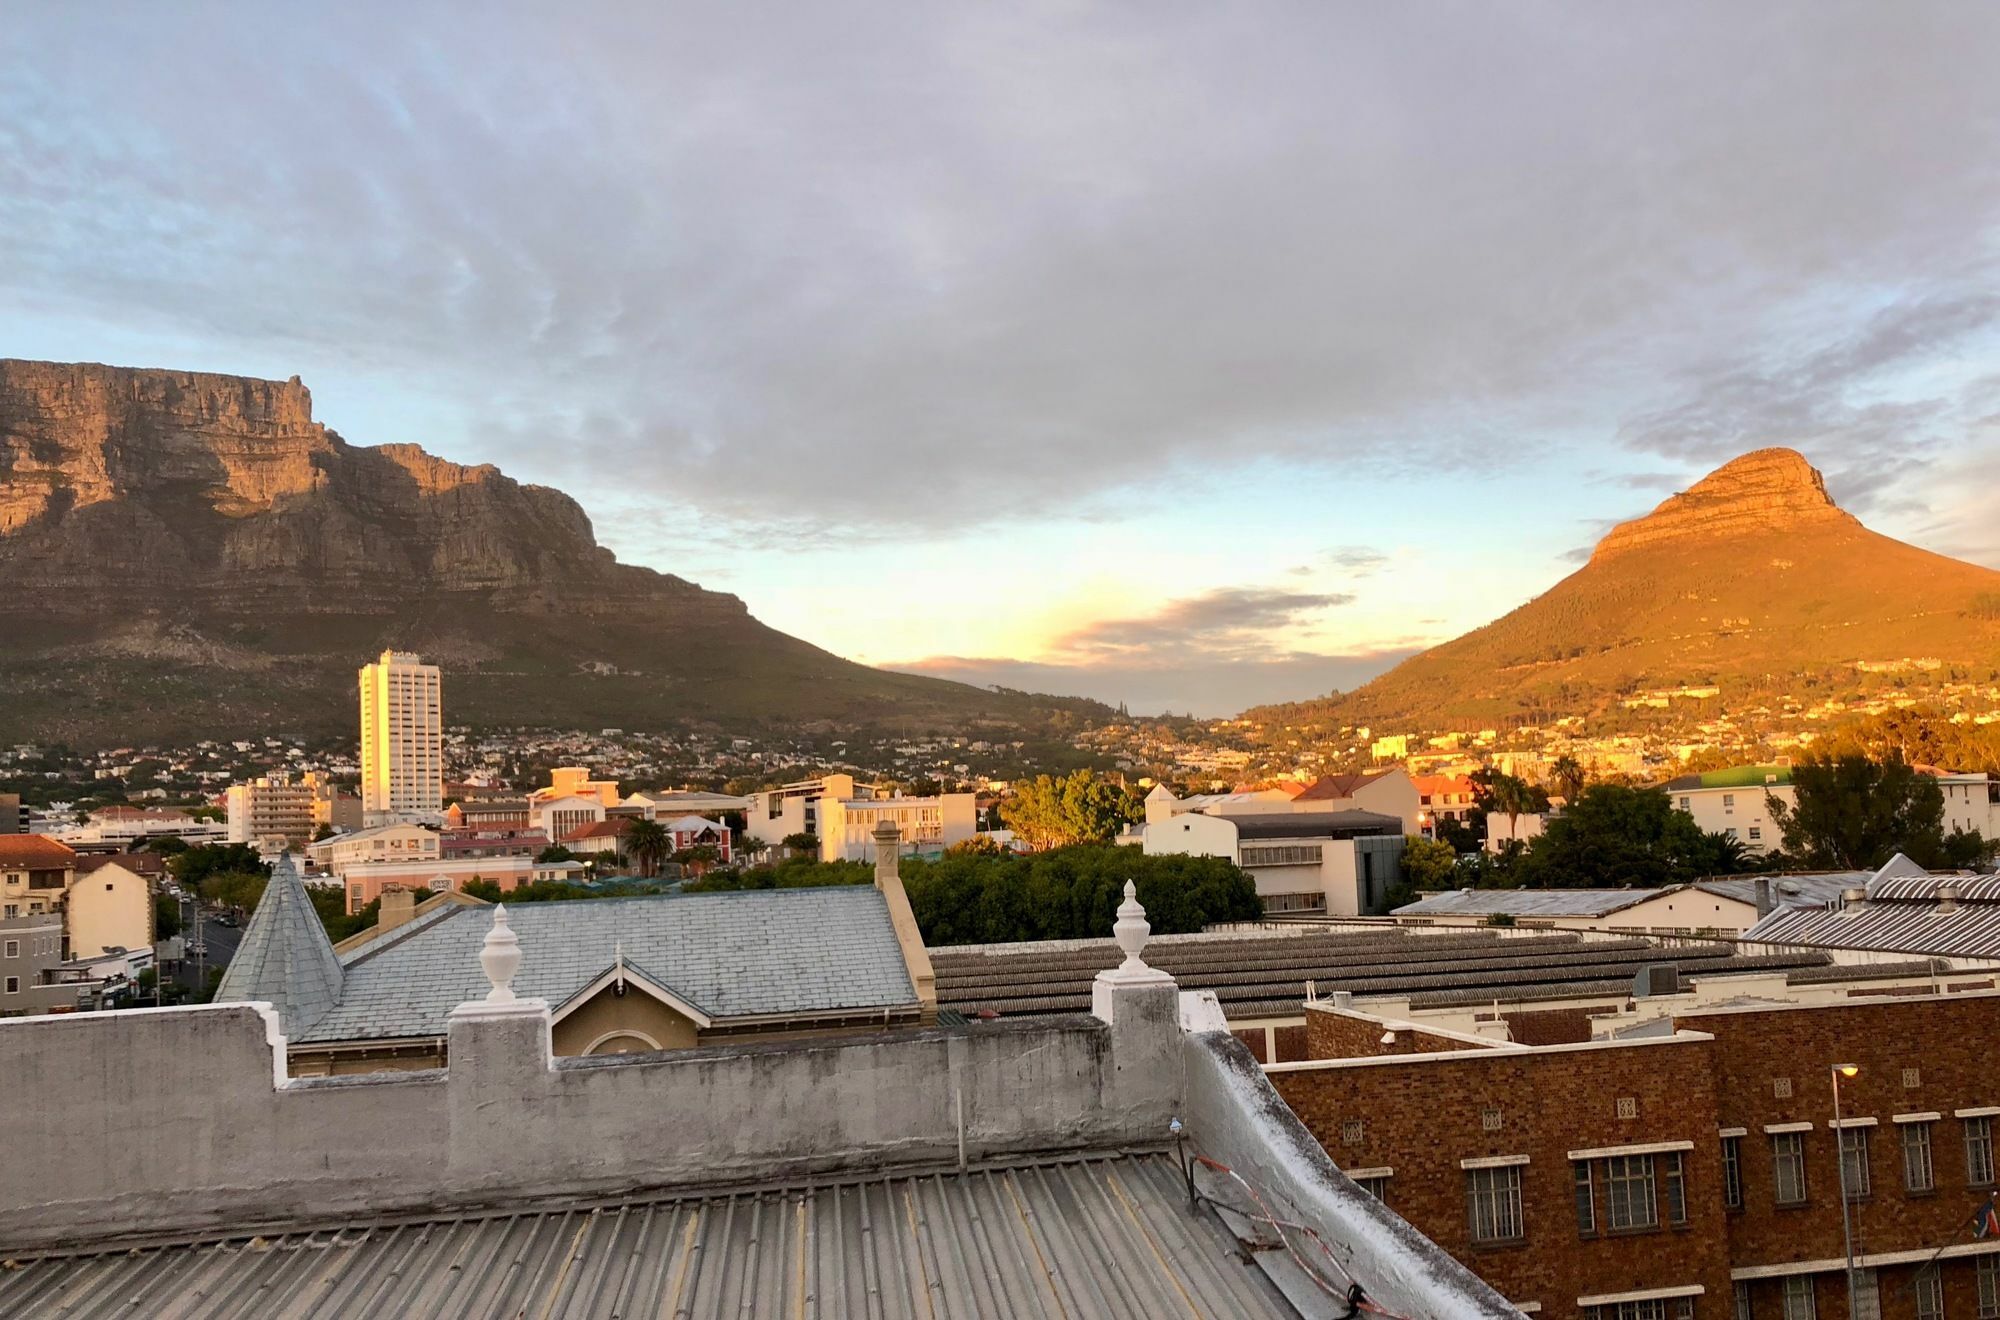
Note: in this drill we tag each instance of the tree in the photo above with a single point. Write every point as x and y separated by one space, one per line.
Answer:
1429 864
193 865
1613 836
1512 797
166 916
1854 813
1078 808
647 843
166 845
801 844
1566 773
698 858
325 831
555 852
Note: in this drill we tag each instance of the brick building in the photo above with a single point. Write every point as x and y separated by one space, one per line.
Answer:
1687 1171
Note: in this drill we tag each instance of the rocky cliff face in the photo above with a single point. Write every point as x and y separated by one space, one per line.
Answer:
188 551
1766 490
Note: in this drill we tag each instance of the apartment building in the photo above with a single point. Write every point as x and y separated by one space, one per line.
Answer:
1442 798
276 808
1690 1169
383 843
30 948
13 816
1733 802
1971 803
35 873
928 825
402 740
109 908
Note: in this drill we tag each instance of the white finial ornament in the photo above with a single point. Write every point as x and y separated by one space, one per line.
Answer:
1132 930
500 956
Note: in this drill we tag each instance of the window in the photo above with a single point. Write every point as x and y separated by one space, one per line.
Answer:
1743 1310
1788 1162
1586 1200
13 948
1930 1293
13 985
1989 1288
1628 1192
1376 1186
1493 1203
1651 1308
1854 1162
1918 1173
1676 1180
1979 1151
1732 1173
1867 1295
1684 805
1799 1298
1728 801
1756 833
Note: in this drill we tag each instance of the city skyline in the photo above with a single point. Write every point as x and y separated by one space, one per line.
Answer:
1135 385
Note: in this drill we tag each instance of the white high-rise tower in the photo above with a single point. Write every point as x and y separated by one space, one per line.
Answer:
402 740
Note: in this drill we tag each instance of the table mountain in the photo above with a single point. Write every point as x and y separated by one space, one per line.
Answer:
186 553
1752 580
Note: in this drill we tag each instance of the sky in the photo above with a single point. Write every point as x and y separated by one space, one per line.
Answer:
1185 355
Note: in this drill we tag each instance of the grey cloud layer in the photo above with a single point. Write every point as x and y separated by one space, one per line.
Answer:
815 262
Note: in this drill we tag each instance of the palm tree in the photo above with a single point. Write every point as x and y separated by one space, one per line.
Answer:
647 843
1567 775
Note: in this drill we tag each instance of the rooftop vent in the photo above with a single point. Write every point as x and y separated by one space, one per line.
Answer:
1947 896
1851 900
1656 979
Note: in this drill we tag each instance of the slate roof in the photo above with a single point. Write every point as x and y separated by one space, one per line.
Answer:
1526 902
1256 976
1315 825
1108 1236
285 957
730 955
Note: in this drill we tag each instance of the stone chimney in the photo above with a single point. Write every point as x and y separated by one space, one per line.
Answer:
398 906
889 880
1764 900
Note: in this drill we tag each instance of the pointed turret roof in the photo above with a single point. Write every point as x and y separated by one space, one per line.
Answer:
285 958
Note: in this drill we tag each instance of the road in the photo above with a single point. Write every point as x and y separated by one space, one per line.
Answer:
222 942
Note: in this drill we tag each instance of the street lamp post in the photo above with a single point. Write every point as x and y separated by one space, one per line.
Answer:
1840 1070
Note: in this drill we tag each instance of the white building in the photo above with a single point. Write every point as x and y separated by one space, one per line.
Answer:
383 843
846 827
402 740
561 817
1339 863
1733 802
1971 802
778 813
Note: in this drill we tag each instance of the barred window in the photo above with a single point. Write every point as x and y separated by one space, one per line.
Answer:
1930 1294
1989 1288
1586 1200
1650 1308
1979 1151
1743 1308
1377 1187
1493 1203
1918 1173
1799 1297
1854 1162
1788 1161
1676 1187
1628 1192
1732 1173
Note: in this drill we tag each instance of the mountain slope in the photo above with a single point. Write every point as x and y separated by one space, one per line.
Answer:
186 553
1752 579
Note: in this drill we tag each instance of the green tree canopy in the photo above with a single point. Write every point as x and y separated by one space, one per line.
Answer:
647 843
1855 813
1429 864
1613 836
191 866
1060 813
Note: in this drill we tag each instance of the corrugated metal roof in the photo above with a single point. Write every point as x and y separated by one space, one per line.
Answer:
1901 915
1100 1237
755 952
1821 887
1526 902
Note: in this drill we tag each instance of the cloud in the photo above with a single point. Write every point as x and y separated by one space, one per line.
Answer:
1230 623
793 269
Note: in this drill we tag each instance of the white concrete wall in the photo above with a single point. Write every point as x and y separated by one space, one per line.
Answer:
182 1119
1743 810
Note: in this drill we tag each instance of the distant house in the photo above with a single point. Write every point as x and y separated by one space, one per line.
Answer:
1388 792
1339 863
1732 802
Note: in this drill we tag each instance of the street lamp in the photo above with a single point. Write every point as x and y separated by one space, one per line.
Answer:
1848 1070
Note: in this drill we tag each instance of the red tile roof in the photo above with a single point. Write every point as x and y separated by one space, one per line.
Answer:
35 851
603 829
1332 788
139 863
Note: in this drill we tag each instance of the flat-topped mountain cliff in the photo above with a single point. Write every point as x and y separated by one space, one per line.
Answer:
1752 580
190 552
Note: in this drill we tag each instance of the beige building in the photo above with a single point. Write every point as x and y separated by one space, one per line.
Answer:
846 828
574 781
272 807
402 740
778 813
384 843
1735 802
109 908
